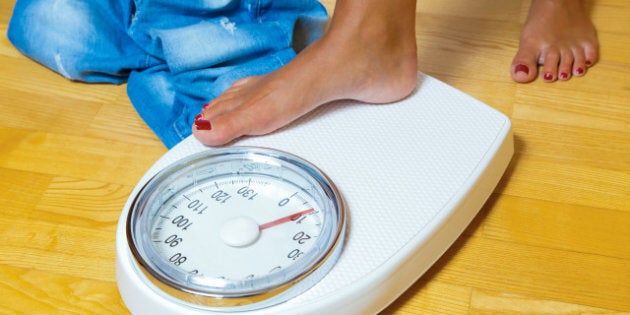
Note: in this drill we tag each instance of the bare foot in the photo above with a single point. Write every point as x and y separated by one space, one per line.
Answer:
558 35
368 54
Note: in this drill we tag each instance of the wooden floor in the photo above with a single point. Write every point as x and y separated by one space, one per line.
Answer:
554 238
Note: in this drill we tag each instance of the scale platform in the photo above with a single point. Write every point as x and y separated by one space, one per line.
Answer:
412 174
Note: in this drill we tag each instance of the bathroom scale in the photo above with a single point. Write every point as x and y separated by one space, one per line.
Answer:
339 212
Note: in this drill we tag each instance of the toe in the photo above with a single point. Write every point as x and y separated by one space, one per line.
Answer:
550 66
566 65
591 53
580 64
524 66
222 129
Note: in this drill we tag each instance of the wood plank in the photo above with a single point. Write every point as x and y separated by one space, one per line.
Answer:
573 184
121 113
450 46
81 203
538 272
574 145
502 303
559 226
61 249
432 297
54 114
27 291
579 103
80 157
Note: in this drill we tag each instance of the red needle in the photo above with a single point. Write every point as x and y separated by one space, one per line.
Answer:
284 219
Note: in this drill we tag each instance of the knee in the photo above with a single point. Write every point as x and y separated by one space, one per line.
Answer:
54 33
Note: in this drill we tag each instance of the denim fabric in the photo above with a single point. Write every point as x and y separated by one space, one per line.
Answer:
175 55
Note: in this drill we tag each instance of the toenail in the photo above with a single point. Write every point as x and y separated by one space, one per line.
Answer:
548 76
579 70
201 123
521 68
564 75
588 63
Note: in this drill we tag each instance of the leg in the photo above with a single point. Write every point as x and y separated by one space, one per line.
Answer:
368 54
558 35
81 40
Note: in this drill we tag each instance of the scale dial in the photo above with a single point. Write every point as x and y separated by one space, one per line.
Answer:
236 229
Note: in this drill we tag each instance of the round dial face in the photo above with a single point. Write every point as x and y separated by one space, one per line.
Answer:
236 228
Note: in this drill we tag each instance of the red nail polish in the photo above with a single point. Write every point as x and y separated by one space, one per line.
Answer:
588 63
521 68
201 123
579 70
564 75
205 106
548 76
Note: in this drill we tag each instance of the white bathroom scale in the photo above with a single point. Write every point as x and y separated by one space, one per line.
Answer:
338 213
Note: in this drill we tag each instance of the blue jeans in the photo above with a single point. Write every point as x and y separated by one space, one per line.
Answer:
174 55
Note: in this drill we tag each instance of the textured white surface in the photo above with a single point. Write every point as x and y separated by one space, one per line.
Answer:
401 169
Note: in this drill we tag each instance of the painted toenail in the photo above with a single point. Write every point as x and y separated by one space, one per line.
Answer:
588 63
205 106
579 70
564 75
201 123
548 76
521 68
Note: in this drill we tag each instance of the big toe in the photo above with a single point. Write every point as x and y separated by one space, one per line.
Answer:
524 67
